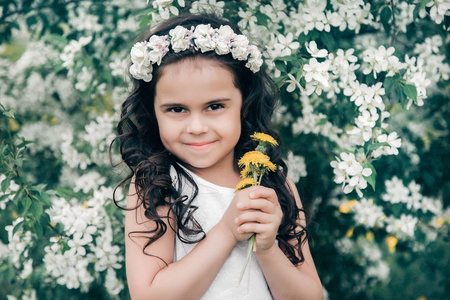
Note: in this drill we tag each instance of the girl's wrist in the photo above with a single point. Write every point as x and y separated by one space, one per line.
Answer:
227 237
266 253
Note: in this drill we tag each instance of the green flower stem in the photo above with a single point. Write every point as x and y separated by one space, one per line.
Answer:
250 248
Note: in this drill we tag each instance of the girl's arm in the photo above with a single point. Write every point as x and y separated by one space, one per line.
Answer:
189 278
285 280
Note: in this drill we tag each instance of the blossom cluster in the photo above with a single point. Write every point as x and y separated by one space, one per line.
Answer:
86 248
351 173
203 37
413 205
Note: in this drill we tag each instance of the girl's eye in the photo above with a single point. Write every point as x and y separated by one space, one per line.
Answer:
176 109
215 106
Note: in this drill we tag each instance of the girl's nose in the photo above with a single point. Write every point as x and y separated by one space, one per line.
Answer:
196 125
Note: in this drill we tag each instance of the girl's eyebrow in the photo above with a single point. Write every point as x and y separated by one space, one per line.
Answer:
207 103
217 101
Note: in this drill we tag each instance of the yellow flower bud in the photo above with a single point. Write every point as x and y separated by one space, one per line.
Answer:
347 206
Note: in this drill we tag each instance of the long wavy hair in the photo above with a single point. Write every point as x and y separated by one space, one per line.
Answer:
150 163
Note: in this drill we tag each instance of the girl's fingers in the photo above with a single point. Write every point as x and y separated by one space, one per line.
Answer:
263 192
254 216
265 230
257 204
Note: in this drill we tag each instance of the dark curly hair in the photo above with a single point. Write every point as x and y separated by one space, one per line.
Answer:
143 152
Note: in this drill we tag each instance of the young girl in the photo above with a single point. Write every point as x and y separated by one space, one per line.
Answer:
198 96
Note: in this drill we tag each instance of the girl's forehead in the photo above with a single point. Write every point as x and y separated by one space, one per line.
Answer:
195 80
192 64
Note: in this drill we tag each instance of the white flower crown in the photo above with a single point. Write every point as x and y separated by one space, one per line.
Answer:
223 40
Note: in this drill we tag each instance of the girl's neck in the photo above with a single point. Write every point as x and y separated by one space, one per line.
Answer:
226 176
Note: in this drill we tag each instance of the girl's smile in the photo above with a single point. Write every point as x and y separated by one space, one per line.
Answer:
200 146
198 109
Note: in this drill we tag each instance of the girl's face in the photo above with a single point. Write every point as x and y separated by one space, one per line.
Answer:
198 109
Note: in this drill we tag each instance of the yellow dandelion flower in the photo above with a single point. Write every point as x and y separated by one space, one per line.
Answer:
244 183
262 137
245 171
253 157
270 166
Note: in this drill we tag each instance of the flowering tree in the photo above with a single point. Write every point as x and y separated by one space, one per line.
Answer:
364 119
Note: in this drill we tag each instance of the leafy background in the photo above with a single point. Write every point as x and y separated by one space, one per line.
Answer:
364 119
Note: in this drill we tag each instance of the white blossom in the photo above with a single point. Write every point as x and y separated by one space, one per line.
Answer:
314 51
403 228
367 213
297 166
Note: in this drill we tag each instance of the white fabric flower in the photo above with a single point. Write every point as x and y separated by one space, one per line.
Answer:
240 47
139 55
203 35
255 59
180 41
159 46
223 39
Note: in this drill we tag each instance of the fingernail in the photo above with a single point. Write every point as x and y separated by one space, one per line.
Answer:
236 220
251 195
240 205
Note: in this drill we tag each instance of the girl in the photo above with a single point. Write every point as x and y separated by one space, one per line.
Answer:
198 95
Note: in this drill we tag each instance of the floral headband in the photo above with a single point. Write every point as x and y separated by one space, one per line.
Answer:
223 40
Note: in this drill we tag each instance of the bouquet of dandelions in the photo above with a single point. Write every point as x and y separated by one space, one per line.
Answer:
254 164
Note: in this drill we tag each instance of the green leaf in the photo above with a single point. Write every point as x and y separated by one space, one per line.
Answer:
26 202
36 209
321 121
299 74
18 197
38 230
39 187
372 178
145 21
31 20
9 113
385 16
389 82
287 58
110 209
280 80
328 39
148 11
19 162
66 193
46 199
280 66
419 6
5 184
410 91
18 226
262 19
376 146
401 95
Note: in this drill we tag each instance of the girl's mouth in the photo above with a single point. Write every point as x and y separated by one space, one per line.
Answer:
200 146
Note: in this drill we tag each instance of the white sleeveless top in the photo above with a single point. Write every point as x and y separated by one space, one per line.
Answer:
212 202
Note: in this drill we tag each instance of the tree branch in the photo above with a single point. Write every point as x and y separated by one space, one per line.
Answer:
394 25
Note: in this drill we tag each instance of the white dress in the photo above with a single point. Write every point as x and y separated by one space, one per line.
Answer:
212 201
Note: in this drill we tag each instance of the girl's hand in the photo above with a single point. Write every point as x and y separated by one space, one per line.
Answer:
228 221
261 214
